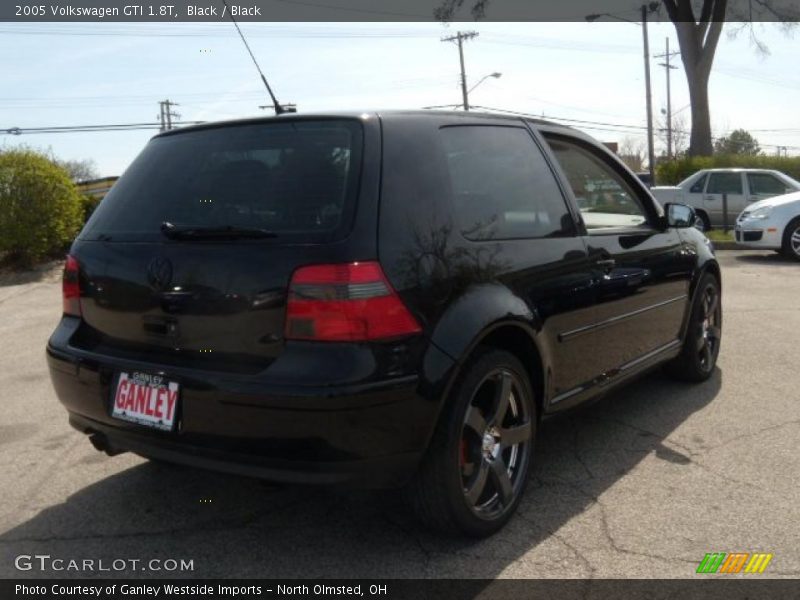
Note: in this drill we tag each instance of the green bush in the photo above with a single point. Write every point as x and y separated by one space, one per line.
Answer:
40 207
670 172
88 205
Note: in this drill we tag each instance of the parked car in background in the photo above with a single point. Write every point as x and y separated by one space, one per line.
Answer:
391 299
772 224
704 191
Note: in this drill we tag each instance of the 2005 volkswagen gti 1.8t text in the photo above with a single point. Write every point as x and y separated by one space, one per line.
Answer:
390 300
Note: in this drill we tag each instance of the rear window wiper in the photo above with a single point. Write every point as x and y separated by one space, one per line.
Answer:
221 232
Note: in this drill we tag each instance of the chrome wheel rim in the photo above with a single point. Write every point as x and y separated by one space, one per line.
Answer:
710 331
794 241
495 439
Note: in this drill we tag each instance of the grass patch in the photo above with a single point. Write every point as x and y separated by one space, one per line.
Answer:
718 235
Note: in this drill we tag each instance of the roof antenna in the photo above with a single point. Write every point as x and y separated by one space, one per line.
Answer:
279 108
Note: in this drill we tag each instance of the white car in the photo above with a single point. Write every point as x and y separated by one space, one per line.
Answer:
772 224
704 191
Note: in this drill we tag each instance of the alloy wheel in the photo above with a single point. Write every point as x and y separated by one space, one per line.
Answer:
710 331
794 241
495 444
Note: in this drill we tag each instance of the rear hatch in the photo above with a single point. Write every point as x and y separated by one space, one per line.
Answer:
189 256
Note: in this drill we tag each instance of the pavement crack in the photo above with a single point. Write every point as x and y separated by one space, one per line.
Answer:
617 547
752 434
412 535
562 540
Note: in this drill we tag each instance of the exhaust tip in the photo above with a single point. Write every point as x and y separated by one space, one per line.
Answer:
100 442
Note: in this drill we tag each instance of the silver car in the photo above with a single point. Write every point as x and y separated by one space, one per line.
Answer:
706 190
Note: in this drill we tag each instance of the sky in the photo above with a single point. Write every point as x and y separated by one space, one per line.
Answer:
110 73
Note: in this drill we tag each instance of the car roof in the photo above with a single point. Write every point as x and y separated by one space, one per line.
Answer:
740 170
382 114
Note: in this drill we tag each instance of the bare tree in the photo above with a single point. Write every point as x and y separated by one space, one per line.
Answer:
680 134
79 170
632 151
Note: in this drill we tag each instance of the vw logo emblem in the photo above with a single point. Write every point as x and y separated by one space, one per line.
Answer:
159 273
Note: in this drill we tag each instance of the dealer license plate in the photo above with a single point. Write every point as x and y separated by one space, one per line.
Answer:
146 399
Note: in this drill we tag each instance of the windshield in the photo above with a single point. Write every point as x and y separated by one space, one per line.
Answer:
296 179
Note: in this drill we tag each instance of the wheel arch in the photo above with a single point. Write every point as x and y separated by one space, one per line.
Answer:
710 266
515 339
514 336
793 222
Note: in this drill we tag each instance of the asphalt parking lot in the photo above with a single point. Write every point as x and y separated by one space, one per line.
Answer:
641 484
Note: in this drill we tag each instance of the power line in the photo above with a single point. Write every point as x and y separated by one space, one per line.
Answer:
83 101
604 126
90 128
582 123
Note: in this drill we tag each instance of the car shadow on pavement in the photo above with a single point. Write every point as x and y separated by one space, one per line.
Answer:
769 258
237 527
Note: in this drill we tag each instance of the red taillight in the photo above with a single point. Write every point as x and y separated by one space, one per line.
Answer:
70 288
345 303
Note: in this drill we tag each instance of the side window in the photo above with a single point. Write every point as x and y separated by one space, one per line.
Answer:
724 183
764 183
502 186
604 199
698 186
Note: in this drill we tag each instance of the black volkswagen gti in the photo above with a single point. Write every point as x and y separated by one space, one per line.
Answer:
387 299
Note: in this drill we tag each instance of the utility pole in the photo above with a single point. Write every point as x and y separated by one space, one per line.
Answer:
666 56
166 114
459 39
161 118
650 147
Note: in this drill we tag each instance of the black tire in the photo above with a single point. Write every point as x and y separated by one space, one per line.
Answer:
471 484
704 218
701 344
791 240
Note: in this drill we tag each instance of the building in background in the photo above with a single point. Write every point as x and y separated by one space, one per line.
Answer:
96 188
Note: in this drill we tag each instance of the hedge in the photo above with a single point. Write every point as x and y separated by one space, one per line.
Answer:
670 172
40 207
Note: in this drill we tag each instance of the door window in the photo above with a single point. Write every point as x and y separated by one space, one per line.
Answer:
604 198
698 186
724 183
502 186
765 184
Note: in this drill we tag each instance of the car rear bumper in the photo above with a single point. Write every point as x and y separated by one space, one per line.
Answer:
370 434
376 472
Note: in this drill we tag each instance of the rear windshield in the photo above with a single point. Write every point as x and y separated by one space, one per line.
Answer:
298 179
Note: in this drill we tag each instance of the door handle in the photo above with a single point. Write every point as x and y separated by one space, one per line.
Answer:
710 198
606 263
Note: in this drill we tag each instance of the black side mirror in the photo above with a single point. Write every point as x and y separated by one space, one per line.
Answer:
679 215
